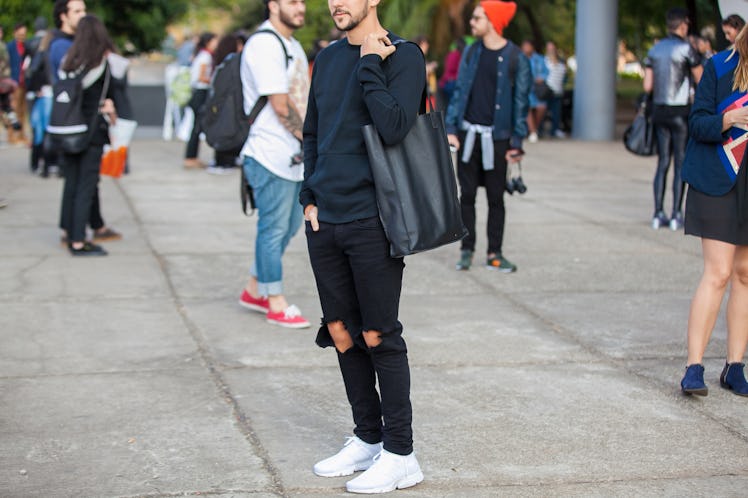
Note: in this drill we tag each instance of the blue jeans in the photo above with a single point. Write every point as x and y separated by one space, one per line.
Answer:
554 106
279 218
39 118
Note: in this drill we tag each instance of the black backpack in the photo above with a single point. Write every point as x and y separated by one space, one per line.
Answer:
224 122
68 129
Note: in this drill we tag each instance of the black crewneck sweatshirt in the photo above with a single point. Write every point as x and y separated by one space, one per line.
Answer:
348 92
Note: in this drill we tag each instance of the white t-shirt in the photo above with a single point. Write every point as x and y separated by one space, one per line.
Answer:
556 75
264 72
203 58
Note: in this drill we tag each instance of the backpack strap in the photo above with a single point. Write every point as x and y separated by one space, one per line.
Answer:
260 104
289 58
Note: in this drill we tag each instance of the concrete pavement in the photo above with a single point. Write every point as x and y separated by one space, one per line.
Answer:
139 375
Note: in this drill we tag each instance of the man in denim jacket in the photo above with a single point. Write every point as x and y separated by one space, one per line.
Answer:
488 116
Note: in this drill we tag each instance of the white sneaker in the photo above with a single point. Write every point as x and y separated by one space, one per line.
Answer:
533 138
389 472
559 134
217 170
355 455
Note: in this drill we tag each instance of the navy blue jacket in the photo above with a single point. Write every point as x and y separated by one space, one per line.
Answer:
707 167
511 102
15 59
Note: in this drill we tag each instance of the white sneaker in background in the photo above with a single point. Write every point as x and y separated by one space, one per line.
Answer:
532 138
217 170
559 134
355 455
389 472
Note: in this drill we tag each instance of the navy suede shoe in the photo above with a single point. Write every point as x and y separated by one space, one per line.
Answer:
693 381
732 378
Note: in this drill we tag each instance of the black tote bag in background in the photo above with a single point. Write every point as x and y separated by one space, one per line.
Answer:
415 186
639 137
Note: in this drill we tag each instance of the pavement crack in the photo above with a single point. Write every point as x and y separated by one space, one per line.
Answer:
212 364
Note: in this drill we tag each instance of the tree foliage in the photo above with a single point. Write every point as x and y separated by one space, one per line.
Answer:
23 11
138 23
143 22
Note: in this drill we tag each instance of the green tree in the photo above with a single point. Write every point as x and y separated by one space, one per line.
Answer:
138 25
25 11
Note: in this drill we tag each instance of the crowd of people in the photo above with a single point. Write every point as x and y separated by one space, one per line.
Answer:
306 162
79 46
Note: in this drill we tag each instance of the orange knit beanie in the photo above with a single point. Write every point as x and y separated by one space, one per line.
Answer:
499 13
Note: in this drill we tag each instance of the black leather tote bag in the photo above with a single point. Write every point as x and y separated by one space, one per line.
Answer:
639 137
416 187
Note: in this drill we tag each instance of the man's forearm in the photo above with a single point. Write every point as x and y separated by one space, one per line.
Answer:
288 115
292 121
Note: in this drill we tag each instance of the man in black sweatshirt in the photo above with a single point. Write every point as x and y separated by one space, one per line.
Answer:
361 79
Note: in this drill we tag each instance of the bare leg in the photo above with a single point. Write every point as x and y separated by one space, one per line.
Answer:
737 308
531 122
718 264
277 302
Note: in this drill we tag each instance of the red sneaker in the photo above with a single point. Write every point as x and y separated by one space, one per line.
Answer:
260 304
290 318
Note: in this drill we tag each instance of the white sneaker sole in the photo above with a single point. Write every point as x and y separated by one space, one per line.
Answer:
343 472
253 307
500 269
287 325
405 482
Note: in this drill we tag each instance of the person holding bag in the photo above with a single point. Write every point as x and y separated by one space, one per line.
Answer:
717 212
359 80
87 56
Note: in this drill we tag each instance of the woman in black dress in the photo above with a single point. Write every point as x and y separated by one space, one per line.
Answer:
717 212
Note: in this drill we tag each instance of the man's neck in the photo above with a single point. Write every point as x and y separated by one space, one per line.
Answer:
68 30
494 41
370 24
281 28
680 32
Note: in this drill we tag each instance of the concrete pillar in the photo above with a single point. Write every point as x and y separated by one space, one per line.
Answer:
595 82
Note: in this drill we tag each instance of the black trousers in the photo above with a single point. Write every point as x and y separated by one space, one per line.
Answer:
199 96
359 284
80 194
671 130
471 175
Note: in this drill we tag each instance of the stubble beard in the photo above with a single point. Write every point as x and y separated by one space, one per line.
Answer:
354 20
288 21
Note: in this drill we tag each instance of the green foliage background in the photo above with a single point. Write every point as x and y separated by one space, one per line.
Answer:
142 22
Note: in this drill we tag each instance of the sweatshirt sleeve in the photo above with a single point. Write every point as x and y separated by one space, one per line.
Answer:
393 102
522 86
306 196
705 123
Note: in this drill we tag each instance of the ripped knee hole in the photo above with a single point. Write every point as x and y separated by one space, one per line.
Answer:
340 336
373 338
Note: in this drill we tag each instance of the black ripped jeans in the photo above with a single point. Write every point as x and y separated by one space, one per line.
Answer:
671 130
359 285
